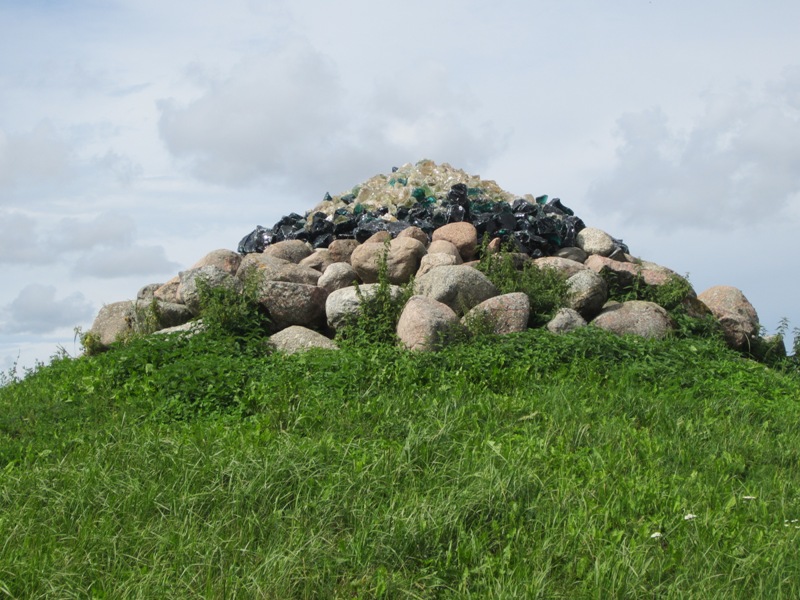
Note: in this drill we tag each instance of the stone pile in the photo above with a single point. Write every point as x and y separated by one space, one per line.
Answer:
309 292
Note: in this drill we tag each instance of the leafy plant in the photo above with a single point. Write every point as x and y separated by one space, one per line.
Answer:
231 311
546 288
379 310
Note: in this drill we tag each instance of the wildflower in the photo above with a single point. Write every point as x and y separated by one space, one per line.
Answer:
656 535
689 517
748 497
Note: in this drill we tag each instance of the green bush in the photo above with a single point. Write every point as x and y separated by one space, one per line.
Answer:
379 311
546 288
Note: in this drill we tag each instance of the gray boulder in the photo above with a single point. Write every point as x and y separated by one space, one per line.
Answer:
289 304
192 280
337 276
459 286
588 292
346 302
507 313
566 320
567 267
299 339
425 324
436 259
595 241
645 319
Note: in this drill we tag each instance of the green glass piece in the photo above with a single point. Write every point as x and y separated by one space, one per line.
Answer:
392 181
418 194
541 199
402 180
358 209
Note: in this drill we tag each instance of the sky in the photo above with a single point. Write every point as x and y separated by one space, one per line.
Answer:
136 136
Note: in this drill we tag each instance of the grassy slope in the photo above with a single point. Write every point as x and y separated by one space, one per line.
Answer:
532 466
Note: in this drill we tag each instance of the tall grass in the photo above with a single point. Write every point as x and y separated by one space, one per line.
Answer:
583 466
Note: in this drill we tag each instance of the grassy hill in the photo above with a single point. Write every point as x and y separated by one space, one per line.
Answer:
531 466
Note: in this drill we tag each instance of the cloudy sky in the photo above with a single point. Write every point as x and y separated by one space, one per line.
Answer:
138 135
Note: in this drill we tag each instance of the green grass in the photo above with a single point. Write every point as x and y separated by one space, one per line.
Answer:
532 466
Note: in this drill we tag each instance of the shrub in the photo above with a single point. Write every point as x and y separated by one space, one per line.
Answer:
546 288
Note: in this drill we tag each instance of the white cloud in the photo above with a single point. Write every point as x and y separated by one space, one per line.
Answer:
34 158
36 310
739 162
108 230
124 261
20 241
285 117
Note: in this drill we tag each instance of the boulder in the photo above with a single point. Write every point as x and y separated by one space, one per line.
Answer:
626 272
565 266
566 320
154 315
289 304
425 323
595 241
445 247
292 250
645 319
343 303
226 260
572 253
507 313
588 292
340 250
416 233
462 234
379 237
148 292
299 339
318 260
169 291
268 268
459 286
190 284
403 256
736 315
337 276
113 322
436 259
190 328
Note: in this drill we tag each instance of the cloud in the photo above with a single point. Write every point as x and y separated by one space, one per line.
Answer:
114 262
20 241
107 230
36 310
285 117
34 158
738 163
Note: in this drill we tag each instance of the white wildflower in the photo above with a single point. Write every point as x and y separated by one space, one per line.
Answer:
656 535
689 517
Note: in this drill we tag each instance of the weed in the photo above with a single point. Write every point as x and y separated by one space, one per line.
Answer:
379 311
546 288
227 310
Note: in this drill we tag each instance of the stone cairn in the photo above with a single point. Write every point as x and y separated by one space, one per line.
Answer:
423 221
